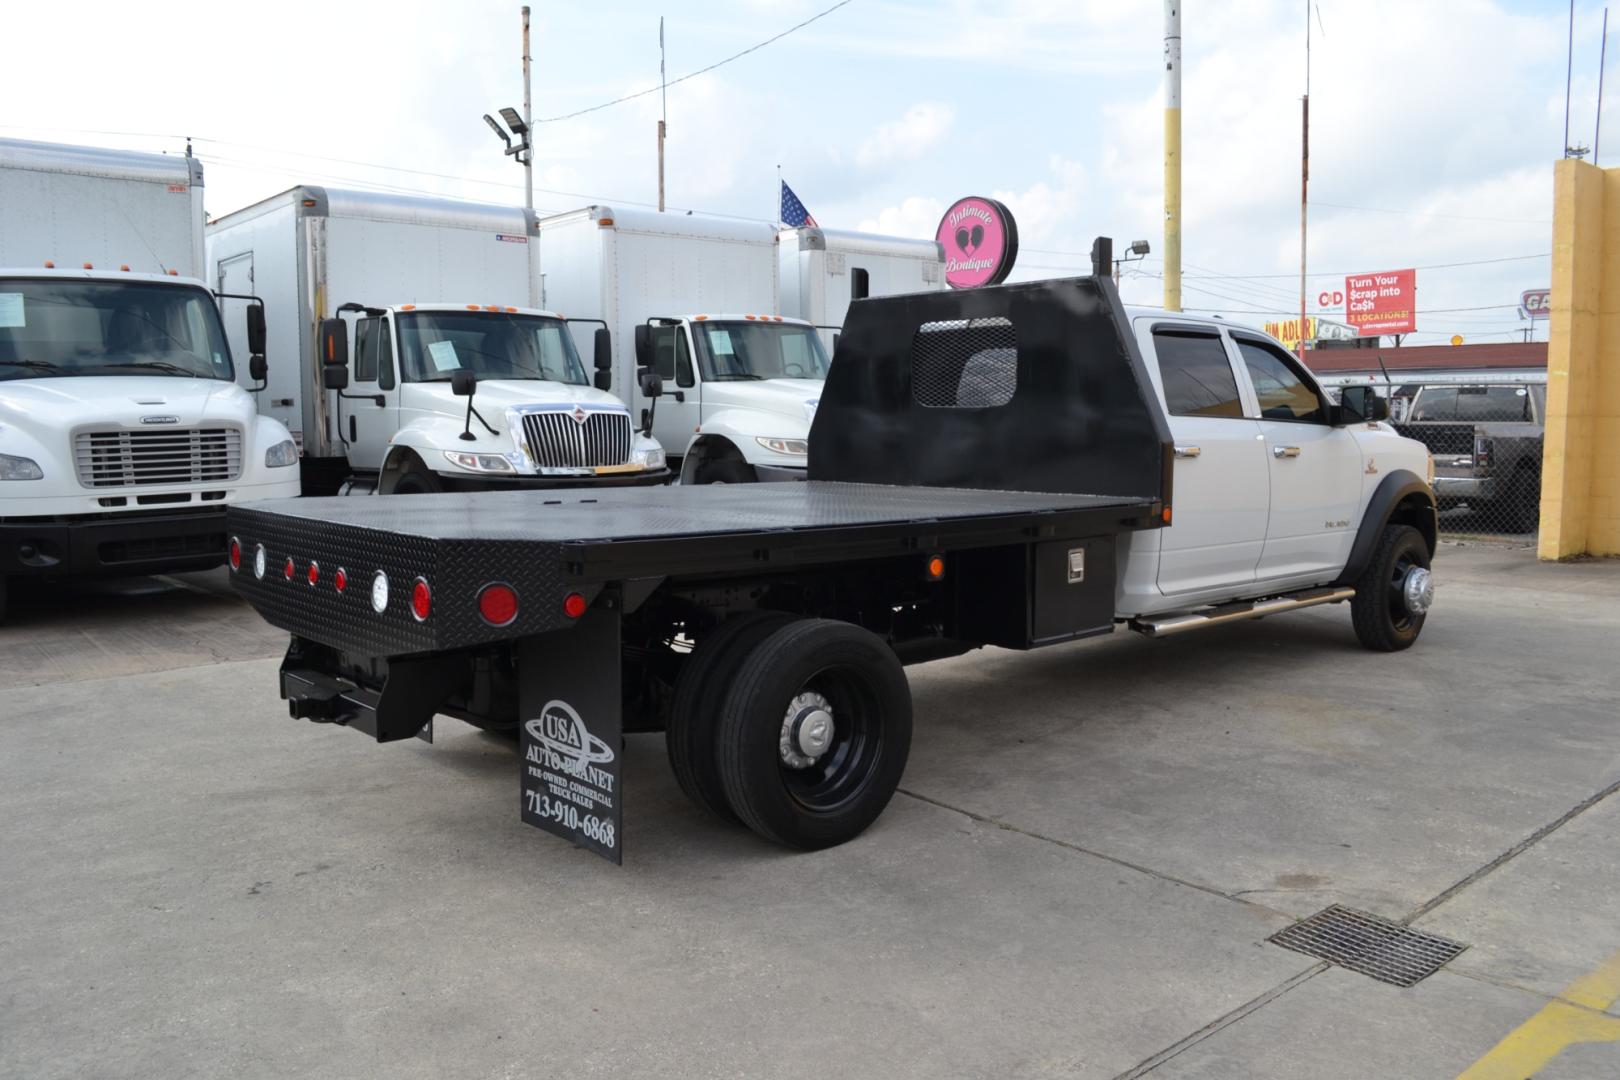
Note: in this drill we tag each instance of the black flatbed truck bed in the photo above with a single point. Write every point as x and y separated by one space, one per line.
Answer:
764 626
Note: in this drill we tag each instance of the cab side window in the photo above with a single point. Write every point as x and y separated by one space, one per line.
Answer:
365 350
1197 375
1283 392
384 355
670 356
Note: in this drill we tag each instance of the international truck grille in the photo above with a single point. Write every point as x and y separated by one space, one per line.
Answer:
557 440
175 456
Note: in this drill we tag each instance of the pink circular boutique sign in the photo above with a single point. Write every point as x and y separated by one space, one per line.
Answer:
980 240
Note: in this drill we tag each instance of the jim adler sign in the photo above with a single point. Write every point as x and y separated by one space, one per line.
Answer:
980 240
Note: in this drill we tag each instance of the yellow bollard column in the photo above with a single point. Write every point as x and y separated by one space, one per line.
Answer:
1580 484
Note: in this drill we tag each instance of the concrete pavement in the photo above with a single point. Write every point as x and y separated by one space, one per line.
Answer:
1093 845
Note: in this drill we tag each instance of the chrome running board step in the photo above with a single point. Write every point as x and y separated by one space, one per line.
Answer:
1166 626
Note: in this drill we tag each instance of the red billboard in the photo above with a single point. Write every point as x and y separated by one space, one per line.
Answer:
1381 303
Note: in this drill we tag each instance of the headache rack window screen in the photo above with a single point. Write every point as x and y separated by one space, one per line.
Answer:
964 363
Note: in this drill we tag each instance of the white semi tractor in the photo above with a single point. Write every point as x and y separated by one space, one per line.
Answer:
416 362
733 315
123 432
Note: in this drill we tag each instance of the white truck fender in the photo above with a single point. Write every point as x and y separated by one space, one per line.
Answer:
743 428
429 436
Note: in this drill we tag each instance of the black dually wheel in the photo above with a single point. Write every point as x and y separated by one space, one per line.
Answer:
694 714
814 733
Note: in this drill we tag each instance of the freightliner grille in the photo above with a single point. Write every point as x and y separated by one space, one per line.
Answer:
558 441
170 456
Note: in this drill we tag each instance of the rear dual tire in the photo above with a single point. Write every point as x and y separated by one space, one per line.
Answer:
799 728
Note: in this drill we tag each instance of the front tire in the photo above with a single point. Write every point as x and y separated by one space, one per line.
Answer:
726 471
415 480
814 733
1384 617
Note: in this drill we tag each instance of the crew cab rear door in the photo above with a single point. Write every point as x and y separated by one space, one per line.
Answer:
1221 483
1316 469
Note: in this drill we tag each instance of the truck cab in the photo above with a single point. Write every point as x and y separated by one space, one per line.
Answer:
1272 480
738 393
123 436
442 397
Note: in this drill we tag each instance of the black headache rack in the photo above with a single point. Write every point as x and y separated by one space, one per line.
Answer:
1007 435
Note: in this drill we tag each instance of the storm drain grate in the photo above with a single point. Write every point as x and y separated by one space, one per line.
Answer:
1386 950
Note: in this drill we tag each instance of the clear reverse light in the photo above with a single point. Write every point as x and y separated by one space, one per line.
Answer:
20 468
379 593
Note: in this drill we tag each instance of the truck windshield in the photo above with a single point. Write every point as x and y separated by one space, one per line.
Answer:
52 327
759 350
496 345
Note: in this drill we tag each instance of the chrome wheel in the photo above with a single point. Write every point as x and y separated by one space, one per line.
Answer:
807 730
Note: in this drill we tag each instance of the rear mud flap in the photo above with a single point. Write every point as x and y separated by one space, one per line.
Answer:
571 731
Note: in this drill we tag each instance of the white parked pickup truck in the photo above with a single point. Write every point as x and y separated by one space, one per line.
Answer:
1274 487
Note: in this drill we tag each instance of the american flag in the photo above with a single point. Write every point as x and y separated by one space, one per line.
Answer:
793 211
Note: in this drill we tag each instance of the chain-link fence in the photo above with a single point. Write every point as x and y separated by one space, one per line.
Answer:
1486 438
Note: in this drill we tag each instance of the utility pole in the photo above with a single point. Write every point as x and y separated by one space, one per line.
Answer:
663 113
1603 57
528 164
1304 175
528 119
1172 155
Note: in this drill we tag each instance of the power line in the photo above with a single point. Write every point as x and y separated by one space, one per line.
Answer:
1432 213
694 74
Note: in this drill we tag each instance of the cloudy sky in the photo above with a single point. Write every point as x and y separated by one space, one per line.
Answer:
1434 124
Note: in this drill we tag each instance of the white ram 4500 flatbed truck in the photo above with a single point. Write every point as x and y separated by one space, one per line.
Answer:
1019 466
123 435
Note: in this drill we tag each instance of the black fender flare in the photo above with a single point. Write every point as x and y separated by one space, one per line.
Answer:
1397 491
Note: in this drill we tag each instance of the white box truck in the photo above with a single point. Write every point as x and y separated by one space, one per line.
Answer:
823 270
433 294
695 299
123 432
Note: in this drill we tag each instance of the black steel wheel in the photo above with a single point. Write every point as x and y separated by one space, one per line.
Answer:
1394 592
814 733
694 714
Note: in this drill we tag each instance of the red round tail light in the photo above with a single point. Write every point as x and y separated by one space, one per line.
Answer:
314 574
574 605
287 571
421 600
498 604
236 554
340 580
